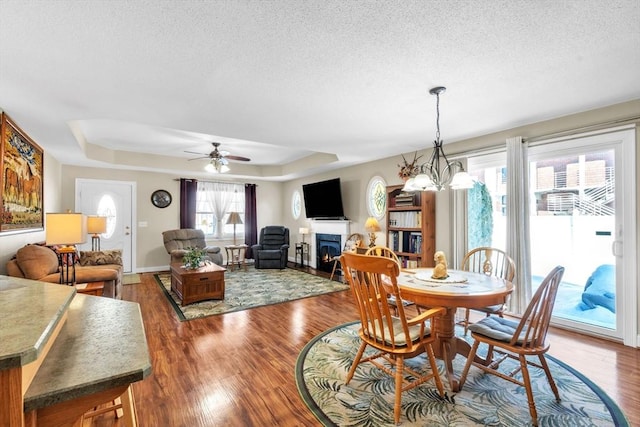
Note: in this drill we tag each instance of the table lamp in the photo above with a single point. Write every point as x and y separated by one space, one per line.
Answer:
303 232
234 218
372 227
96 225
66 229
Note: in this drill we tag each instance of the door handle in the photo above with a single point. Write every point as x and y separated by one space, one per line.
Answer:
616 248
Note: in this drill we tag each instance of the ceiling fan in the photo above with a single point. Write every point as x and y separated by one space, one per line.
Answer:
219 159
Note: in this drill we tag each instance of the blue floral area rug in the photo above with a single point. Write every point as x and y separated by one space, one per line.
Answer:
252 288
485 400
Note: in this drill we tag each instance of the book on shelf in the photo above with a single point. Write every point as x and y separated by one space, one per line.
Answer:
409 219
404 201
412 263
393 241
412 242
408 262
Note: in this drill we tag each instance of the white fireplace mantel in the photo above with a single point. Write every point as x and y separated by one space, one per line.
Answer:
330 226
317 226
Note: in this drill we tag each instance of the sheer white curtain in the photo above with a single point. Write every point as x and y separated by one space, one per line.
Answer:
518 221
218 195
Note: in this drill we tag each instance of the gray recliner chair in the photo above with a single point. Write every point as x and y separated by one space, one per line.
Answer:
178 242
272 249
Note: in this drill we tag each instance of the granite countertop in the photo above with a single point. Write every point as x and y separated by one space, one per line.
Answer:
101 346
29 313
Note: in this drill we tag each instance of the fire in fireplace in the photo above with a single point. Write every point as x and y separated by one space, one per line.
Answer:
327 248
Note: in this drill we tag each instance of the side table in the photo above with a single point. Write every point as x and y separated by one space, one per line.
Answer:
91 288
301 248
236 256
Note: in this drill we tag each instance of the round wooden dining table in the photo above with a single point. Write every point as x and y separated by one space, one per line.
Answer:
460 289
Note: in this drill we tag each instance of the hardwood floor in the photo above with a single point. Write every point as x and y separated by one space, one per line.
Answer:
237 369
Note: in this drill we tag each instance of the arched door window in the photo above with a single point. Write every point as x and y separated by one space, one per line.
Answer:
107 208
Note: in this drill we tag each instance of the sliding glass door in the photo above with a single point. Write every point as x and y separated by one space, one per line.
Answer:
576 206
582 200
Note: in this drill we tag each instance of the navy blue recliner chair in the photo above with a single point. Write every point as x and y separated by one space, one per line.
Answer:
272 249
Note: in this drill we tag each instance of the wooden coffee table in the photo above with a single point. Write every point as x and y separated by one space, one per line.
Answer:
197 285
90 288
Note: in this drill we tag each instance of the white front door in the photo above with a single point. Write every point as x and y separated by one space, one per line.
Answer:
114 200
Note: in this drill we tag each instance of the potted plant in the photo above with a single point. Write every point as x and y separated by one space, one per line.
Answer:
194 258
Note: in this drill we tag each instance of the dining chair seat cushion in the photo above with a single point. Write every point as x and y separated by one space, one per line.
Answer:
498 328
394 302
399 339
490 309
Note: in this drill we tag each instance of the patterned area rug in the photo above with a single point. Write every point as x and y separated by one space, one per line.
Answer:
252 288
485 400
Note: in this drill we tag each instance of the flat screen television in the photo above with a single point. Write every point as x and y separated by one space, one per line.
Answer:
323 200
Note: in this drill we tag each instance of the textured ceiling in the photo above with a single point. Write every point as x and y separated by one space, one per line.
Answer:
133 84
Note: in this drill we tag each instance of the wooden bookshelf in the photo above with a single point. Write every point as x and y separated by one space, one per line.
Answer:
411 231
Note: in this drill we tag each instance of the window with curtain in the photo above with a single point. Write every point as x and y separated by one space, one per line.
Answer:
214 202
486 201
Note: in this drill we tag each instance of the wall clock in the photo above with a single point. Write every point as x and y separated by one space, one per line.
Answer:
161 198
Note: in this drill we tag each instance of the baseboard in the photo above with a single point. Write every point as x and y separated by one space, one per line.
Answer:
152 269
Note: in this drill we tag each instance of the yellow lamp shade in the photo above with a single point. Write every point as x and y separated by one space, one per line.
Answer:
65 228
371 225
96 224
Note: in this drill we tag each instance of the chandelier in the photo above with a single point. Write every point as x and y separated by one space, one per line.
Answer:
438 171
217 165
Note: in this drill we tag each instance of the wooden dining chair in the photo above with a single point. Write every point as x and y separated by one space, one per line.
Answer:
373 280
353 241
492 262
518 340
388 253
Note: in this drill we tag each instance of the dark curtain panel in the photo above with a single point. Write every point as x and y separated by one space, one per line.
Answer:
250 218
188 192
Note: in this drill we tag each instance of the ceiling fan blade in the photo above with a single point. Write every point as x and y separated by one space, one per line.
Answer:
239 158
221 156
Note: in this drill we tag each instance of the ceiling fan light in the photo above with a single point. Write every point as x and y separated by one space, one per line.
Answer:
224 168
210 168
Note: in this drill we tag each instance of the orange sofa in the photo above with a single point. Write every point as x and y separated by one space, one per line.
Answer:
38 262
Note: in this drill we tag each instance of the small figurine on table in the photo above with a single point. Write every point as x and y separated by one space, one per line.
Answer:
440 270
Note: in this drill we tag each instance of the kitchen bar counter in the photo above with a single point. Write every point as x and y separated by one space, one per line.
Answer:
30 311
99 349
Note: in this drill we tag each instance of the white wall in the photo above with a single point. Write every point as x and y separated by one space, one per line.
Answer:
354 182
150 252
